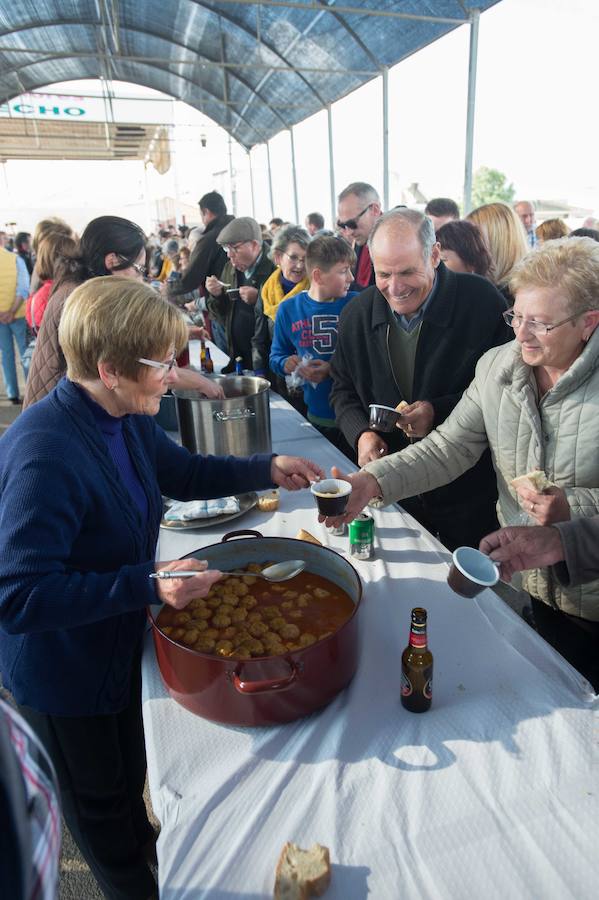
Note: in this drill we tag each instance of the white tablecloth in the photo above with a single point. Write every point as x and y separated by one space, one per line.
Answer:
493 793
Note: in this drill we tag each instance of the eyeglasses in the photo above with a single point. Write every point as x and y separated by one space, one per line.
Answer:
234 248
296 260
513 319
353 223
141 270
165 366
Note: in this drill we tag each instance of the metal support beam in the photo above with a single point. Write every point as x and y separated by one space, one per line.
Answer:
332 165
249 153
385 75
272 205
472 61
232 178
294 174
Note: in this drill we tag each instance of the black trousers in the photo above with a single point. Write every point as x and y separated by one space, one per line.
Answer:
101 766
576 639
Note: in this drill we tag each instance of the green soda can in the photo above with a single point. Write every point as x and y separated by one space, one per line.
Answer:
361 537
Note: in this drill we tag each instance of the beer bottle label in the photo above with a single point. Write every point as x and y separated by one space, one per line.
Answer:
417 638
406 685
428 688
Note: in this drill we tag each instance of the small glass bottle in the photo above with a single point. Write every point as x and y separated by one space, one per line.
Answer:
208 364
238 365
417 667
203 355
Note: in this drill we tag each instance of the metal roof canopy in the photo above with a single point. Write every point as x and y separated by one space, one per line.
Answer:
254 68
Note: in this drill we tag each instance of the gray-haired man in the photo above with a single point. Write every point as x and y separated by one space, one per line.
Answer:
416 335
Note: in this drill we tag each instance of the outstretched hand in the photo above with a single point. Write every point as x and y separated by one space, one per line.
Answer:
520 548
294 472
364 488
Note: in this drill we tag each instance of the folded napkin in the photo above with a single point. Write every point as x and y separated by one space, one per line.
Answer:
201 509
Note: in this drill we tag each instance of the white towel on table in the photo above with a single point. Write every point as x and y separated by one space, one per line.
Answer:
201 509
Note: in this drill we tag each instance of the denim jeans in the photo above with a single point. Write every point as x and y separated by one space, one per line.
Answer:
18 330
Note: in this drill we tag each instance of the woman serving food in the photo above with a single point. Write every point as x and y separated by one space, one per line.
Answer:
534 403
81 477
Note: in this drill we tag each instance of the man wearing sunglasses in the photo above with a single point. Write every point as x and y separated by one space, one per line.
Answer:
358 208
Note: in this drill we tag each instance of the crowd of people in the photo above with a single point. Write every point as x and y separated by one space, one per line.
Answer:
484 330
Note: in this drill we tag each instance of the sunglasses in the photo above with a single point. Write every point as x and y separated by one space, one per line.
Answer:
353 223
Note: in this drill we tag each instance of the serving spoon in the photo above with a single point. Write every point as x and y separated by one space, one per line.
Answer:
282 571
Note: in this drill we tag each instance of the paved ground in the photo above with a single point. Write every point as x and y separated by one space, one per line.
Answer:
76 880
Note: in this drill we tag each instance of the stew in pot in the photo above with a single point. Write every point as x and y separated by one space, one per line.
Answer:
243 616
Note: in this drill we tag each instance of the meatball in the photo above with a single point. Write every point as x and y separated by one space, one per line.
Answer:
306 639
182 618
257 629
271 612
290 595
321 593
220 621
248 602
277 623
204 644
224 648
190 637
295 614
289 632
238 615
199 624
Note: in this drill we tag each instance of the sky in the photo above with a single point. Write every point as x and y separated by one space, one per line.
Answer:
535 121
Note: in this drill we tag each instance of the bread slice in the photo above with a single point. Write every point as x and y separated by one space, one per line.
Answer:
401 406
306 536
302 873
534 481
268 502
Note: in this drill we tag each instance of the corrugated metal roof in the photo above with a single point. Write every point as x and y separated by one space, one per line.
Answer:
254 68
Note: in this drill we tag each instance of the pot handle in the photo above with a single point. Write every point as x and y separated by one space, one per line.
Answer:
241 533
262 687
235 416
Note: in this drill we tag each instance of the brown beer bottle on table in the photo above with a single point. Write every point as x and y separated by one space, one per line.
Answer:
203 356
208 364
417 667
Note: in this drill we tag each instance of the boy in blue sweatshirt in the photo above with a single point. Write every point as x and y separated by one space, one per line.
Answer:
306 325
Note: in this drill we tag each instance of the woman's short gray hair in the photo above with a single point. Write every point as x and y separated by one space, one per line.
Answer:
288 234
421 224
569 264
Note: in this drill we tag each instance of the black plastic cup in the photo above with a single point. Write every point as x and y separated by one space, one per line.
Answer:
331 496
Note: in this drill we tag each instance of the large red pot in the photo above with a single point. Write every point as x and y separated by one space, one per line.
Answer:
265 690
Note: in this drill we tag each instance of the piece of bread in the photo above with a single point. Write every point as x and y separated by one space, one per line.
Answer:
534 481
268 502
306 536
401 406
302 873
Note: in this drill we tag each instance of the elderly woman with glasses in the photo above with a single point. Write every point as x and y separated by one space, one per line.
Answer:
109 245
82 475
288 252
534 403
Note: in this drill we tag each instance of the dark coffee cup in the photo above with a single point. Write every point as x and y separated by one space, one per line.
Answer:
331 496
471 572
234 294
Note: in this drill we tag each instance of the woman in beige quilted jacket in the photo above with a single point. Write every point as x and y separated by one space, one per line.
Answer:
535 403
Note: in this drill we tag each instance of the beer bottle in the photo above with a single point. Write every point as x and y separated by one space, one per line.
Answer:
203 356
417 667
208 364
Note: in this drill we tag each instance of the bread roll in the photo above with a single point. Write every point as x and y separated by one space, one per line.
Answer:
306 536
302 873
401 406
534 481
268 502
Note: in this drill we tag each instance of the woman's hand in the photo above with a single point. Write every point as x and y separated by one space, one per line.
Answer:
294 472
547 507
178 592
364 487
291 364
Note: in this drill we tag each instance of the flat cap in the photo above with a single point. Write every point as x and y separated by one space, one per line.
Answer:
242 229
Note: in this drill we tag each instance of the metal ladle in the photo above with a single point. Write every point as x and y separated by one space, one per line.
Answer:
282 571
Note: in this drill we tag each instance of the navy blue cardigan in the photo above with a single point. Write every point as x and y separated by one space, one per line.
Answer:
74 553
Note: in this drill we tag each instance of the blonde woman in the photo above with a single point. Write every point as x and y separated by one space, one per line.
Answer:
533 402
505 238
82 473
